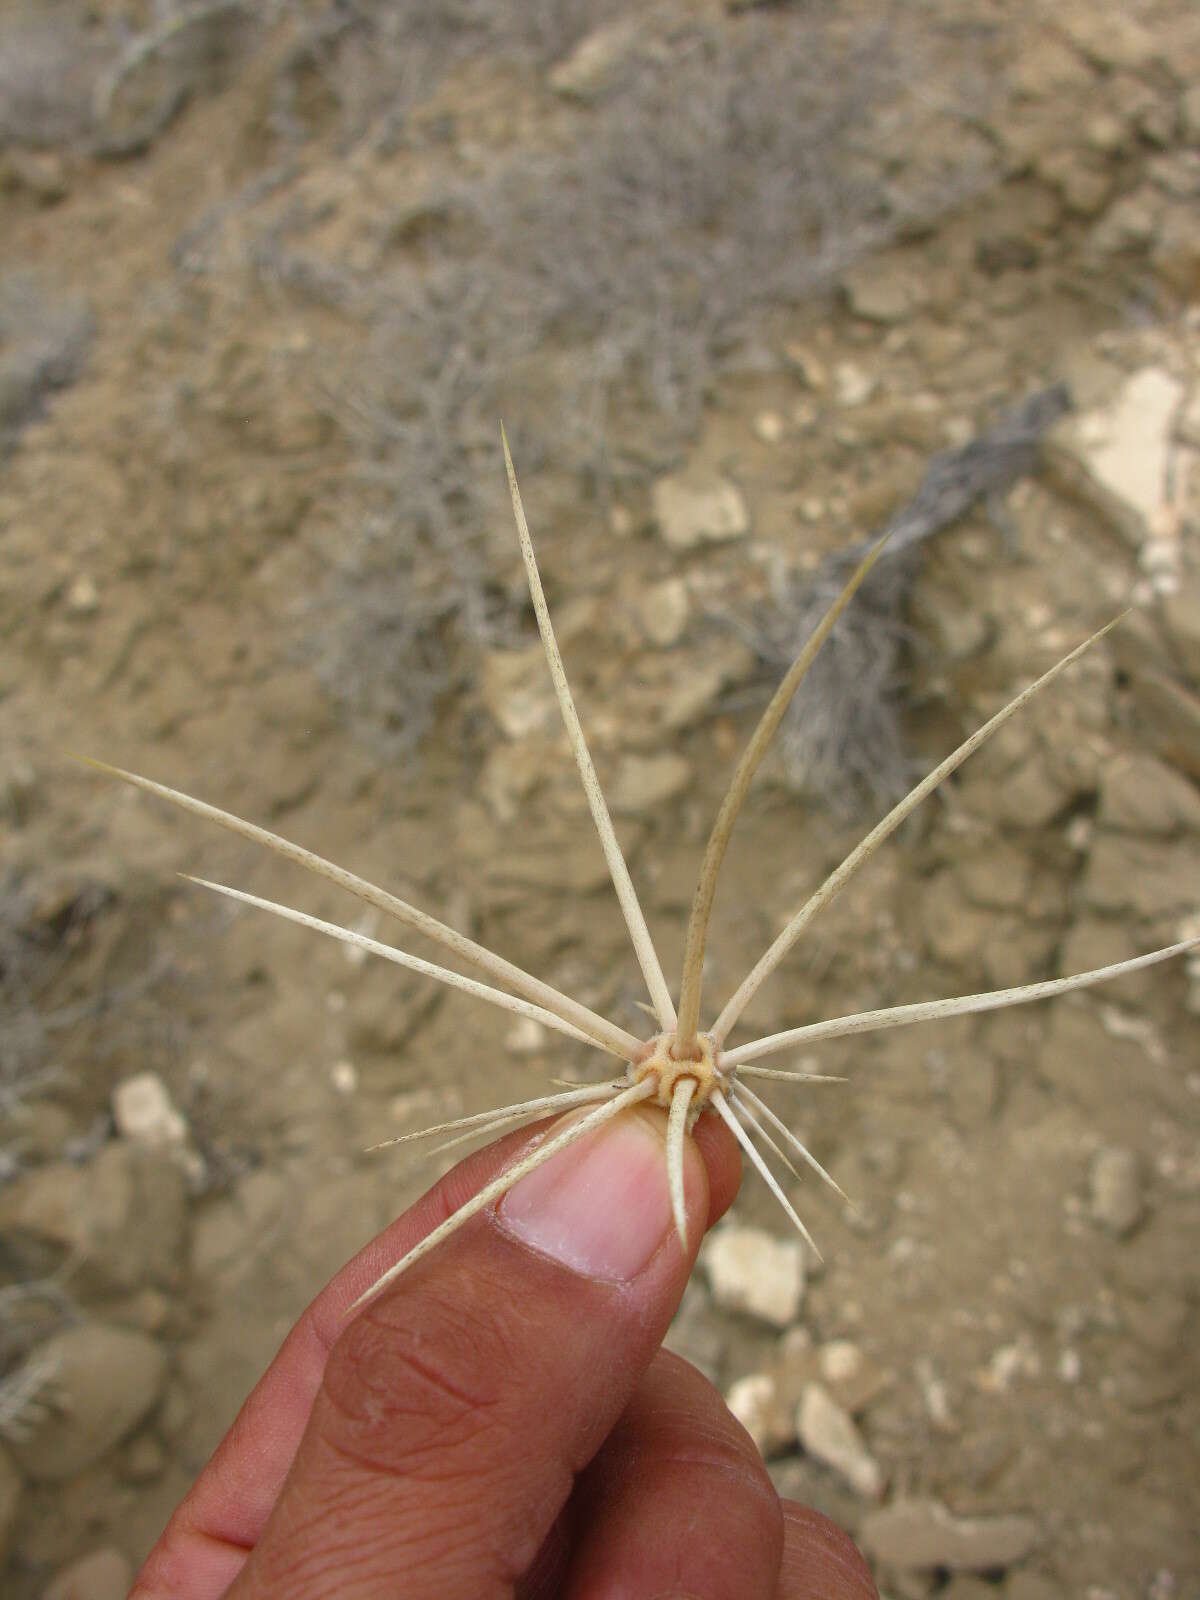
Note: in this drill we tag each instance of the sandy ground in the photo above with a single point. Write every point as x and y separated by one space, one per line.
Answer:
181 510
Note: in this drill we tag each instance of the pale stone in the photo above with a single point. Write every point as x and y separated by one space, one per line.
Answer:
144 1113
753 1402
644 783
828 1433
1116 1190
699 507
1141 795
1121 452
597 62
880 291
526 1037
923 1533
751 1270
517 690
662 612
120 1219
105 1381
851 385
83 598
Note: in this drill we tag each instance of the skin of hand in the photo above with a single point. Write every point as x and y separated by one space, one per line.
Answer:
503 1422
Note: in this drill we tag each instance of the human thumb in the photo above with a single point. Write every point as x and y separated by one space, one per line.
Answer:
456 1410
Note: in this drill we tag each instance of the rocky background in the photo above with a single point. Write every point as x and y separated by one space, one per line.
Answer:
735 276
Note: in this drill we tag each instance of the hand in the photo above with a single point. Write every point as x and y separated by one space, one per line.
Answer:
503 1422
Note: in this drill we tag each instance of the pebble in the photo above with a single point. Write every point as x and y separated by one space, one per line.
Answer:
644 783
806 364
828 1433
767 1403
1148 877
516 689
851 385
921 1533
103 1575
83 598
878 291
597 63
754 1402
751 1270
1116 1200
121 1218
144 1112
662 611
105 1381
1141 795
526 1037
699 507
1119 454
769 427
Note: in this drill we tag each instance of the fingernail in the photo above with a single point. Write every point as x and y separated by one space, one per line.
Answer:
601 1206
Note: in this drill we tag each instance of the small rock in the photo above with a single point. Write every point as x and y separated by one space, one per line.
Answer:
526 1037
1116 1191
996 877
1111 38
769 427
597 62
1130 225
699 507
144 1113
751 1270
103 1575
923 1533
879 291
1103 943
1027 797
10 1500
663 612
105 1381
954 930
1170 716
1119 455
516 689
83 598
807 365
851 385
828 1433
1148 877
1141 795
1084 185
753 1401
121 1219
644 783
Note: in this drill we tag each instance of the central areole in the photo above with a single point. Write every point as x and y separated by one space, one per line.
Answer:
659 1064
